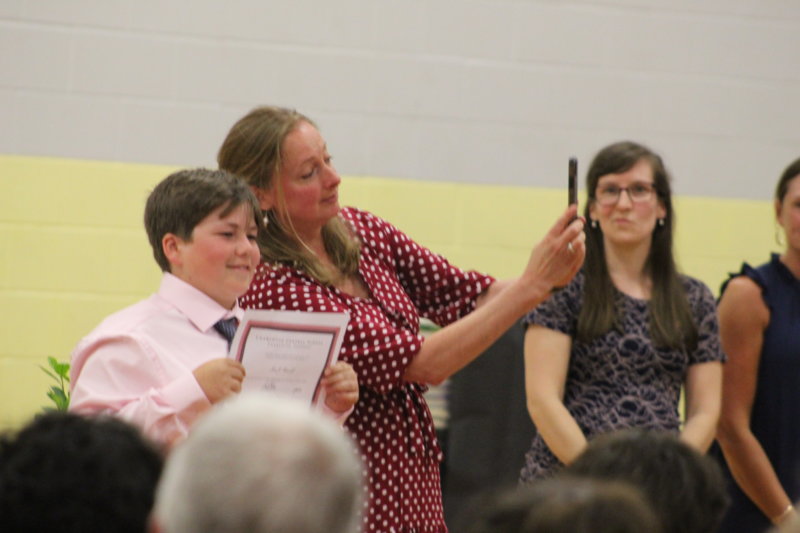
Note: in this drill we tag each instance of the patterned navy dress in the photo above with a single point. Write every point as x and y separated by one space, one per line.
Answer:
620 380
776 406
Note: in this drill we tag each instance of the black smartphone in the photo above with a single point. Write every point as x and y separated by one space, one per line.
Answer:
573 181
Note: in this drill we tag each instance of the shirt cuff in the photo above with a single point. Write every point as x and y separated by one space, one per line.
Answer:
185 392
340 418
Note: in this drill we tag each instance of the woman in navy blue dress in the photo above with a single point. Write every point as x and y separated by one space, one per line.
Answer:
759 431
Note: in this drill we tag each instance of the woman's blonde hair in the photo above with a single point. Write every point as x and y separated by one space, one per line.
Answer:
252 150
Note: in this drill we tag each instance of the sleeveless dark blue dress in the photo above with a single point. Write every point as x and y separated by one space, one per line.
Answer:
775 419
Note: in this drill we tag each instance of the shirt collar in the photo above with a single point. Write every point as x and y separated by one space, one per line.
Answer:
198 307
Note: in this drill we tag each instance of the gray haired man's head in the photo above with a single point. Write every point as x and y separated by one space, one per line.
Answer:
262 464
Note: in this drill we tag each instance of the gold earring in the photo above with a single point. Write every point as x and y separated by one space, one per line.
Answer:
778 234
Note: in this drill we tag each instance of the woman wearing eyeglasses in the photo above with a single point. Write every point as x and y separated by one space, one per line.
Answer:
613 349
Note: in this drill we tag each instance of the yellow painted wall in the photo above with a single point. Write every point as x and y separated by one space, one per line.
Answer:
73 249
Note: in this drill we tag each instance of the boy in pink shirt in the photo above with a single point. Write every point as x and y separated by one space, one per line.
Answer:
162 361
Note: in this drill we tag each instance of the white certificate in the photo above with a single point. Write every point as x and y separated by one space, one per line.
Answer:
286 352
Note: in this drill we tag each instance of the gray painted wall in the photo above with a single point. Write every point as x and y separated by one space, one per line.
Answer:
474 91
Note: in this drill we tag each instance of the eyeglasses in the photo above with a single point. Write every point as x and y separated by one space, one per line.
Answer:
637 192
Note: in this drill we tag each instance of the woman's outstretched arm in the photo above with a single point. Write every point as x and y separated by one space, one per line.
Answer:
552 264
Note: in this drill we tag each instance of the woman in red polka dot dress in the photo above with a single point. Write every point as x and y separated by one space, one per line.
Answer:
318 257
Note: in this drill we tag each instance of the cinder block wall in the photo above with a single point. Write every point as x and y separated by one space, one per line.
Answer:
465 111
469 91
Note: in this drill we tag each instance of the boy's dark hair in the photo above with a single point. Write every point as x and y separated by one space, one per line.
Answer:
685 488
185 198
64 472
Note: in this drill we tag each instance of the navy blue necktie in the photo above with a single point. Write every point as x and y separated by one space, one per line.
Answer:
227 328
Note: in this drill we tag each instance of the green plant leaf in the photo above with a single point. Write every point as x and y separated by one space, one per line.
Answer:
59 398
63 370
49 373
58 394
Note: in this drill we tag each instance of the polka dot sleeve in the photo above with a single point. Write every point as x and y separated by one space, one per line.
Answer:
438 290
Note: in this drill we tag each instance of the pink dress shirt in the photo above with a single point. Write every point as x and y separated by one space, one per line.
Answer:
138 363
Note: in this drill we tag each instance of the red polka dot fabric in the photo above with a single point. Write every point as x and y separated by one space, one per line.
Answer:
391 422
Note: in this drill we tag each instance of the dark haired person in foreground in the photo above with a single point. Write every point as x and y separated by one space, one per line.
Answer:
684 487
561 505
71 474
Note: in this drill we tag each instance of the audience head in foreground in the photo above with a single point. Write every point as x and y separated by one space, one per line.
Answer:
565 504
685 488
67 473
262 464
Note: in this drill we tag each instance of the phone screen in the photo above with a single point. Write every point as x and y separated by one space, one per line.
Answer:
573 181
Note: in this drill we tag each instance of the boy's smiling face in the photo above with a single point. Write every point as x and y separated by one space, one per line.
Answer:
220 257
